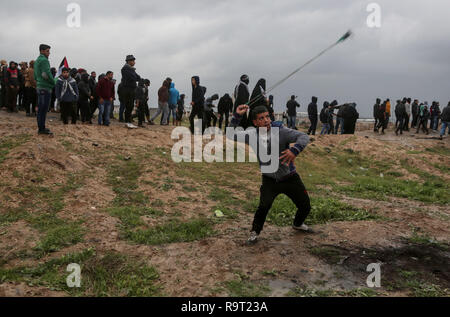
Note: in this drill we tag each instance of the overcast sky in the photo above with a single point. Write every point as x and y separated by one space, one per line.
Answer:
223 39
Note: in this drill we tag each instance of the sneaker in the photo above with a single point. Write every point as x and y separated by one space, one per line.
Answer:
303 228
45 132
151 123
253 238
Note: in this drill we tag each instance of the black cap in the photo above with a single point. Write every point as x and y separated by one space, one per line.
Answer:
130 58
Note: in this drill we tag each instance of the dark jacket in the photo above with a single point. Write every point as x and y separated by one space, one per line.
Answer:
93 86
415 109
445 115
83 87
141 93
66 90
292 106
312 108
242 95
257 98
225 104
129 77
400 111
105 89
376 110
13 77
198 95
163 92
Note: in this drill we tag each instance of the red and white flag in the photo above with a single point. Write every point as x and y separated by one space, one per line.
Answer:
61 66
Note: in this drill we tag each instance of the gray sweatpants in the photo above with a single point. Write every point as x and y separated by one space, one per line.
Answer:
163 107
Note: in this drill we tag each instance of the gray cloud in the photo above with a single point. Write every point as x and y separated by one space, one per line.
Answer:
220 40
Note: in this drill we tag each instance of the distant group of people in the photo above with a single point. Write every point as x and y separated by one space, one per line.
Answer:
411 115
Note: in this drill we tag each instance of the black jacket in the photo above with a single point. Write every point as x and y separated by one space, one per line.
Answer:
242 95
83 87
129 77
400 111
225 104
93 86
445 115
292 106
312 108
198 94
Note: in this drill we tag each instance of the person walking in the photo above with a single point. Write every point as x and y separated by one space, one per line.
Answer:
163 104
445 117
197 103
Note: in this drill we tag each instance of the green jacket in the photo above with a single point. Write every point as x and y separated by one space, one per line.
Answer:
42 73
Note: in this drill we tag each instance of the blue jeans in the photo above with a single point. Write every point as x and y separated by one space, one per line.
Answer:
44 98
104 108
292 122
172 112
339 123
325 128
445 125
435 122
121 111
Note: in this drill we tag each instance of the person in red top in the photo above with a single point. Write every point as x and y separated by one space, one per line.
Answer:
13 79
105 92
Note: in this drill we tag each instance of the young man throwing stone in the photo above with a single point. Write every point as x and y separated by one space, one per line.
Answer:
285 179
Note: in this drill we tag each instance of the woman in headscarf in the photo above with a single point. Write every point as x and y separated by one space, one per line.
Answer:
258 98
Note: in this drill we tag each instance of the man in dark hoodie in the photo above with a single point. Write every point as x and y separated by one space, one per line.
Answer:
13 79
242 97
85 97
401 115
129 85
66 90
292 106
197 104
415 113
209 111
340 120
163 104
93 102
225 106
313 116
350 116
445 117
376 114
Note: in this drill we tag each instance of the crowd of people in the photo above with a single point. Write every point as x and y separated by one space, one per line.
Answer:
412 115
36 88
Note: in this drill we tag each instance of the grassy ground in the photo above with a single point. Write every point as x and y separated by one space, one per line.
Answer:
113 201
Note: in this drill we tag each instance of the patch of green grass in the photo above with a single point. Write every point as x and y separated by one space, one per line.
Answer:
307 292
130 216
441 150
172 232
11 215
58 233
243 287
424 239
110 275
10 142
323 210
117 275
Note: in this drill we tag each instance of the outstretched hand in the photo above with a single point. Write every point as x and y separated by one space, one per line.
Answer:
287 158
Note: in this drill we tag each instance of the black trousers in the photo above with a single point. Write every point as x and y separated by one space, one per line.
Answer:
68 109
141 112
30 100
423 123
227 120
197 111
414 120
128 96
93 105
270 189
313 127
401 125
12 98
406 123
85 109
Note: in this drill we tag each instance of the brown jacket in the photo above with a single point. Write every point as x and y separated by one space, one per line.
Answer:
163 92
29 78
